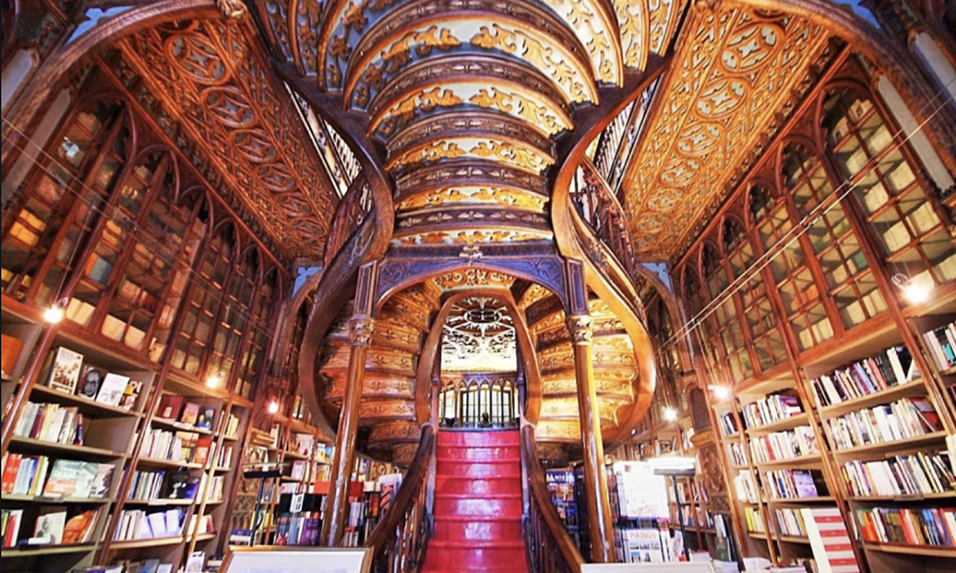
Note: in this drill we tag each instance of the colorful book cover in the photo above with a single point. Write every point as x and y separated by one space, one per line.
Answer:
112 389
65 371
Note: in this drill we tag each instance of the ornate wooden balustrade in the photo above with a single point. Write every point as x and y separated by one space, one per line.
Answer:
597 207
399 540
550 548
351 212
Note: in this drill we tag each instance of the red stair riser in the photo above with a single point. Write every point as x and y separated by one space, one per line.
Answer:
482 454
479 469
489 507
477 487
506 438
487 559
453 530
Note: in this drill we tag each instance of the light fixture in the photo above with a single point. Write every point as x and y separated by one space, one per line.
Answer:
914 289
670 414
214 380
721 393
54 314
273 407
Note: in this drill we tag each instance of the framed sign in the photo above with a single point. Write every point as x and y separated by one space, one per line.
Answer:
288 559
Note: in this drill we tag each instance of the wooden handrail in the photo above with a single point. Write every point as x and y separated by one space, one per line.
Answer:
398 541
550 548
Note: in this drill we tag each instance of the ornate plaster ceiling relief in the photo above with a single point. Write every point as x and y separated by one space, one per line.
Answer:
478 336
471 277
514 198
736 70
208 79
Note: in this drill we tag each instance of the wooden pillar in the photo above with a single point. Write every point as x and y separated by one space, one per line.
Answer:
595 480
361 326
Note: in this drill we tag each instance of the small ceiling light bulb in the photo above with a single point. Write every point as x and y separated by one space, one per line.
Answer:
273 407
54 314
721 392
916 290
213 381
670 414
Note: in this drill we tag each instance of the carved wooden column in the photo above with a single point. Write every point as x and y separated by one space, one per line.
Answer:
361 326
595 480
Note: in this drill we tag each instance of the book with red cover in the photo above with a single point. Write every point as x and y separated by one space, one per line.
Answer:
201 453
10 470
170 406
79 527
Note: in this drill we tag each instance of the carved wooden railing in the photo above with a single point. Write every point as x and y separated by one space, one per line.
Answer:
352 211
596 206
549 546
398 542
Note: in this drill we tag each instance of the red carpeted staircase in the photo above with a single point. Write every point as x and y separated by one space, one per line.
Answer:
477 504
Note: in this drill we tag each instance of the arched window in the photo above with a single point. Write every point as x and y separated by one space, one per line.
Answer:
798 292
757 309
260 327
849 278
234 315
63 193
903 217
203 305
730 331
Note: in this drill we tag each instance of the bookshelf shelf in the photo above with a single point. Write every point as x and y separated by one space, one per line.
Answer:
779 425
903 498
924 550
908 390
160 502
155 462
205 537
793 539
48 550
173 424
9 498
85 405
802 500
797 461
892 446
39 446
144 543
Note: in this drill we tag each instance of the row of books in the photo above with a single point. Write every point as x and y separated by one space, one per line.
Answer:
737 454
789 444
53 526
907 418
790 522
152 485
746 486
231 429
51 423
180 446
728 424
225 457
138 524
794 484
770 408
302 527
930 526
27 475
893 367
905 475
941 342
753 516
643 545
175 407
68 374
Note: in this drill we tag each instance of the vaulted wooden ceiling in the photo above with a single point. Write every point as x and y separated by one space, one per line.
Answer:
469 103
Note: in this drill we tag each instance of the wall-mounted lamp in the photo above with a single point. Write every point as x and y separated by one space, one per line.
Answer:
215 380
273 407
54 314
721 393
914 289
670 414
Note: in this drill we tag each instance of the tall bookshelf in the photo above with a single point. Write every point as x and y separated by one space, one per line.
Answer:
826 325
159 281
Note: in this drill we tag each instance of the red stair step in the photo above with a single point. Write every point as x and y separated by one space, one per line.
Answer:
480 470
488 486
479 454
501 556
502 438
491 507
470 529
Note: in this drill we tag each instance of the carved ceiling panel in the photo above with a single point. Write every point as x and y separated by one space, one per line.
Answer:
731 76
208 78
479 336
